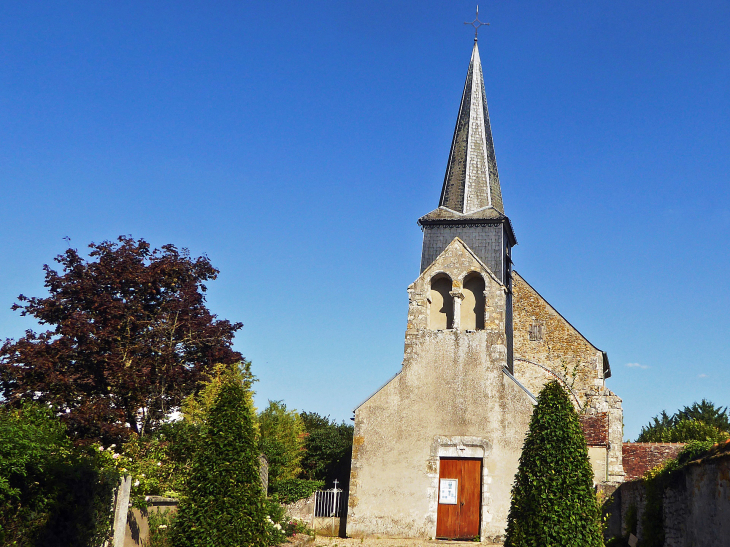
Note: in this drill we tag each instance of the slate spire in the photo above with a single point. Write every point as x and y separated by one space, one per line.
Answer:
472 182
471 206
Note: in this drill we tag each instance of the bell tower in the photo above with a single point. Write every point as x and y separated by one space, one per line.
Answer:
436 448
471 206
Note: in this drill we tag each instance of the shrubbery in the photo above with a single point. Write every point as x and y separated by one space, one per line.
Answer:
51 490
328 449
51 493
305 451
159 463
553 501
291 490
281 441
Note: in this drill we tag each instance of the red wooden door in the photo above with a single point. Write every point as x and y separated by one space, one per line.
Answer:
460 494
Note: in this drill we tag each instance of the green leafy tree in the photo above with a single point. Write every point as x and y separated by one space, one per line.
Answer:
224 504
130 337
706 412
282 442
553 501
699 422
51 493
683 431
328 449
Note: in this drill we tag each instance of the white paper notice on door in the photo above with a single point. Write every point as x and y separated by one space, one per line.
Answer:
447 491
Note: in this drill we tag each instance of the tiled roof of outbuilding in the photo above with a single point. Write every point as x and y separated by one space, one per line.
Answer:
595 428
638 458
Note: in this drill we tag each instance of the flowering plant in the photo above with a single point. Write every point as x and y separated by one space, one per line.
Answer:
157 465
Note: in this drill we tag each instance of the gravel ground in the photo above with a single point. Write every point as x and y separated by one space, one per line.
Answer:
393 542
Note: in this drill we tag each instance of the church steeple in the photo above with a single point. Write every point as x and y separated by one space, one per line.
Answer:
470 206
472 181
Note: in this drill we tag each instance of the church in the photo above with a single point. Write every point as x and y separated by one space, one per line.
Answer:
436 449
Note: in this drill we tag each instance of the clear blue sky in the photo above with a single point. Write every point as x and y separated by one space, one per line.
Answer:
296 144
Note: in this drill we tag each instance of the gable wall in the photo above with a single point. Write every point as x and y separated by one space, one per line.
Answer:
562 348
450 398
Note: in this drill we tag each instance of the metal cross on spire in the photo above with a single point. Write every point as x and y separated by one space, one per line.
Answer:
476 23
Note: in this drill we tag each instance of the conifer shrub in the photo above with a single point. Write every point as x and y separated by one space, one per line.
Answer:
224 504
553 501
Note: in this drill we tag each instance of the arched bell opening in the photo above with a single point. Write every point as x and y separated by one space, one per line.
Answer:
472 306
441 313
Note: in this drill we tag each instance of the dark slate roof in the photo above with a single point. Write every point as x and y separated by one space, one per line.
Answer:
443 213
471 182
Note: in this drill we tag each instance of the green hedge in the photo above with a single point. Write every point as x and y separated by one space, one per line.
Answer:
51 493
291 490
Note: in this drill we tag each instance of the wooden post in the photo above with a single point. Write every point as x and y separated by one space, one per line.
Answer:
121 508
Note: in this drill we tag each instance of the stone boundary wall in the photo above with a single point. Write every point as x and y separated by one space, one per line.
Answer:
302 509
137 531
696 502
325 526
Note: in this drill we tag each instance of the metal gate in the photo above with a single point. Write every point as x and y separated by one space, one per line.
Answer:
327 503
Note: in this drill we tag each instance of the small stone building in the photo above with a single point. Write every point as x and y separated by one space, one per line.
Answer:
436 449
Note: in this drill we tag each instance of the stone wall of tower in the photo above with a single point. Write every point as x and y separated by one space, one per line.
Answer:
485 240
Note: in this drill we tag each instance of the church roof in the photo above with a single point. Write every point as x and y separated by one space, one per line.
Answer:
471 184
444 213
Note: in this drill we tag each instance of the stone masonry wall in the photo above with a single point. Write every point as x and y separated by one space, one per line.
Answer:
543 336
450 399
546 347
632 501
696 502
600 400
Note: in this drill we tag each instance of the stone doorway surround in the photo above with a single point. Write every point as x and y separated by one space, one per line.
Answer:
458 447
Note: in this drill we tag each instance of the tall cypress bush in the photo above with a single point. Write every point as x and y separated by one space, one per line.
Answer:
224 503
553 501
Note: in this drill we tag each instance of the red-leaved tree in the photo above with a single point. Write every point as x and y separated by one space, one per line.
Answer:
130 336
